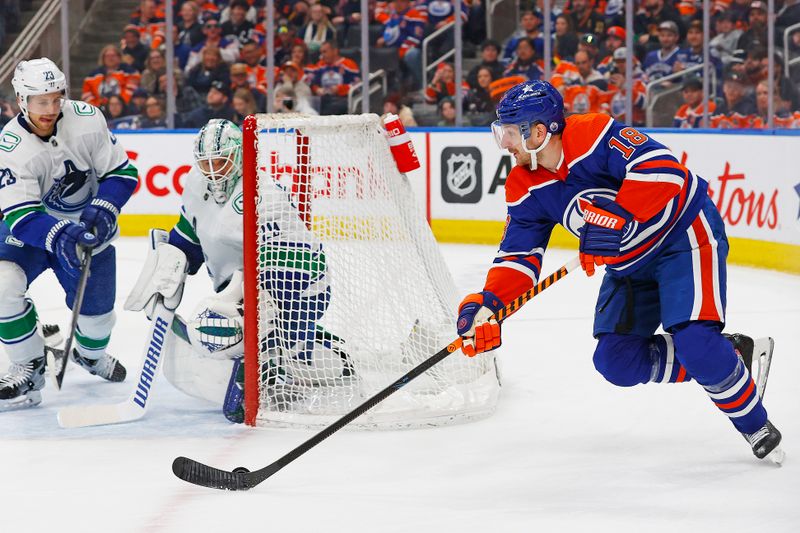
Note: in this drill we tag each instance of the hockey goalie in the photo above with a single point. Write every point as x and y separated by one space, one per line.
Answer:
205 359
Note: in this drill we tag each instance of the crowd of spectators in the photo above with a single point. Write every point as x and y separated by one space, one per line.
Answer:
221 65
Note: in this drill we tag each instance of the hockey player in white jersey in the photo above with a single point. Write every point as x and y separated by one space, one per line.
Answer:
296 292
63 181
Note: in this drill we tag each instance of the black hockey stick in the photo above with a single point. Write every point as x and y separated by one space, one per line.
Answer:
242 479
61 358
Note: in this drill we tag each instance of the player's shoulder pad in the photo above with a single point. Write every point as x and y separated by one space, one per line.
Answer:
582 135
521 181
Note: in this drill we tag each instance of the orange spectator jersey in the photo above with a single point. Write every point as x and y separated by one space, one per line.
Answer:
565 74
257 77
579 99
613 102
152 34
688 117
788 121
99 85
731 121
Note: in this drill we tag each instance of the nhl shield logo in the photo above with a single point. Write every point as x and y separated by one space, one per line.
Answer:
461 175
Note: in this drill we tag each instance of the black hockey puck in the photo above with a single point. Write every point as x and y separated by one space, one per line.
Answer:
240 470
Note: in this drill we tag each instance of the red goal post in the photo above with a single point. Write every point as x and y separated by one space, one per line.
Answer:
383 299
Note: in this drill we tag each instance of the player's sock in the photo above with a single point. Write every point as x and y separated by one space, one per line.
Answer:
666 367
19 334
20 386
737 397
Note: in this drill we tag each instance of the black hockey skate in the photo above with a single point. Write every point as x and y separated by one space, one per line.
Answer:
757 356
765 443
107 367
21 386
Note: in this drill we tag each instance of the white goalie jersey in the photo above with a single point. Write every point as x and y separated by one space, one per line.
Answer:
60 174
217 229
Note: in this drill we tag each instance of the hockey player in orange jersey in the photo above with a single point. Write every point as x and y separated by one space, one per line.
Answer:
649 219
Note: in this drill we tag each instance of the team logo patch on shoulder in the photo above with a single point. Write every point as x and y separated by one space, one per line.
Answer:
83 109
9 141
237 204
573 214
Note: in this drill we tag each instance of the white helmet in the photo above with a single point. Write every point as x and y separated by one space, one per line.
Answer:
220 139
37 76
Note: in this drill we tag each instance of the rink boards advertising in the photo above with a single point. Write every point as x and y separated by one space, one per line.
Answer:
753 178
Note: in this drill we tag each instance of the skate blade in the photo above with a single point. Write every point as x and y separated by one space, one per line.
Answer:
776 456
31 399
762 354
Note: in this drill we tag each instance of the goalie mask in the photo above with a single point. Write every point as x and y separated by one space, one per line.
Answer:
37 77
521 108
218 155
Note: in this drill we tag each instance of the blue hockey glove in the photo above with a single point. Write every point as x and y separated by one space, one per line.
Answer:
100 217
601 234
478 332
66 241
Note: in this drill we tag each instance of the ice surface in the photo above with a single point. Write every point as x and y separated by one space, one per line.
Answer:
565 451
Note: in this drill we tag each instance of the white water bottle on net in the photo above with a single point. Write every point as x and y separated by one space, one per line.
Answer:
345 287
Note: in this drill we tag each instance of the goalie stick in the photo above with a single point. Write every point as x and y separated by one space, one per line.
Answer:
242 479
135 406
57 359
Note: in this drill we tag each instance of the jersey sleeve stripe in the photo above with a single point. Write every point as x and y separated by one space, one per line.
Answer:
13 218
29 203
502 254
656 178
650 155
594 145
530 190
125 171
530 272
185 230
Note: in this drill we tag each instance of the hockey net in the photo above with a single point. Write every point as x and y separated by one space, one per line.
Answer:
345 287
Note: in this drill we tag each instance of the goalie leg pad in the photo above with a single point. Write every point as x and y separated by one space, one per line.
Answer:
192 374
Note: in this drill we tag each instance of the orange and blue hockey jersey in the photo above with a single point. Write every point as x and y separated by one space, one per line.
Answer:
334 79
442 10
404 30
600 158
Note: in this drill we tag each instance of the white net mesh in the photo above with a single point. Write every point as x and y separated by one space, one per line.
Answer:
353 291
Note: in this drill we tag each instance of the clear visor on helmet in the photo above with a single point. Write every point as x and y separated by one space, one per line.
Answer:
46 104
506 135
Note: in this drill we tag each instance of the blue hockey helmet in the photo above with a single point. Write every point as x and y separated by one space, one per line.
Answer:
523 106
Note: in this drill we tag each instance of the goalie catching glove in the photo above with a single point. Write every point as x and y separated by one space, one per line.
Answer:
217 328
479 333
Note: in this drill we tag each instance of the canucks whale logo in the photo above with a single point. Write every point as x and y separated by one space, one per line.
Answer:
68 193
573 215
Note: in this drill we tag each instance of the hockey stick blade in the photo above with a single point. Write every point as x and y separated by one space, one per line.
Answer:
240 478
59 363
213 478
135 406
